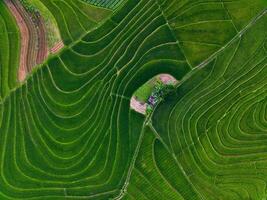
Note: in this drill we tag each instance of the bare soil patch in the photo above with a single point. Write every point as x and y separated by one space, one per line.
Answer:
24 34
56 48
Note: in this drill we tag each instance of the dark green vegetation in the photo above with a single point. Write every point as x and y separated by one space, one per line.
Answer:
68 132
9 51
203 27
75 17
158 94
52 32
29 7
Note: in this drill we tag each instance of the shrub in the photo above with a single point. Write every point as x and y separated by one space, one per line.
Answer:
158 94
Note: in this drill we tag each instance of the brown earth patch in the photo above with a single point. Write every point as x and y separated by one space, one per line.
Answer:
34 48
57 47
138 106
24 32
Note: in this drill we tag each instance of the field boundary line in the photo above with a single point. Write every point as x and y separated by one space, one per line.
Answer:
237 36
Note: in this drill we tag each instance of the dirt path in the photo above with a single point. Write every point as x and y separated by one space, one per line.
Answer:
138 106
57 47
238 36
166 78
24 34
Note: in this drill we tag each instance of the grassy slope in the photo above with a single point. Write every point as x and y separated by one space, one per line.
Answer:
70 127
156 175
73 21
203 27
50 22
144 92
213 125
9 51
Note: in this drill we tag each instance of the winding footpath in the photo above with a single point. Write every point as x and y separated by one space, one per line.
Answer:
57 47
203 64
237 36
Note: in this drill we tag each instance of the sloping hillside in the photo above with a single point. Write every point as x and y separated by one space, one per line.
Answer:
68 131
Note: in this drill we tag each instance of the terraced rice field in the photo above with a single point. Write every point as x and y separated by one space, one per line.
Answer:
68 131
74 17
112 4
9 51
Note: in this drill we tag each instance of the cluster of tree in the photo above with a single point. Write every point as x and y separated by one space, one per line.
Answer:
29 7
158 94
